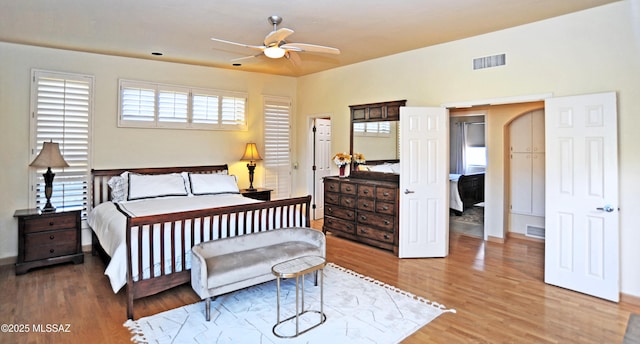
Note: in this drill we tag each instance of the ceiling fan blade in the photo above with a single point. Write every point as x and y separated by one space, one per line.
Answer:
310 48
293 57
245 57
277 36
257 47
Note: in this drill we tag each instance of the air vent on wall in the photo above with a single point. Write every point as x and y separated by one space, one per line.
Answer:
489 61
535 232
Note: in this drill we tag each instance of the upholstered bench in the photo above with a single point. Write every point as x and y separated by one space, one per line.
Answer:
225 265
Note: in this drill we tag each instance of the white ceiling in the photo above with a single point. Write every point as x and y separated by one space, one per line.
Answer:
180 29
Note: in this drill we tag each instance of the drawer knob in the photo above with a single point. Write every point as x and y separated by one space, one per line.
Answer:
385 194
52 237
51 250
385 208
386 222
363 231
348 201
365 205
366 192
51 223
364 218
386 236
348 188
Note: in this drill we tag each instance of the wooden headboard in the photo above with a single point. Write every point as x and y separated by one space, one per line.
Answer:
99 178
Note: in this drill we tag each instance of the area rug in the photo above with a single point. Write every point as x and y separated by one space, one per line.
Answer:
632 334
359 309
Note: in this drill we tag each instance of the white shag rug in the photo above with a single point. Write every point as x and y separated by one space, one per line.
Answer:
359 309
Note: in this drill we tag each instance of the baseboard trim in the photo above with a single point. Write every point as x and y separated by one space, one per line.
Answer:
523 237
495 239
630 299
8 261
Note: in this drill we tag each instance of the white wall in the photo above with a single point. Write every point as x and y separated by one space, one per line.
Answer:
115 147
591 51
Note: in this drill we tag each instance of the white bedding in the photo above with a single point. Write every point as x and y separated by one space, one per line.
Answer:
109 225
455 202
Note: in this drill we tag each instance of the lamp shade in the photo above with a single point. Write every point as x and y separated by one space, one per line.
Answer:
251 153
49 156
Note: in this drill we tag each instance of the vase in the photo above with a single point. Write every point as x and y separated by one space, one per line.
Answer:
342 168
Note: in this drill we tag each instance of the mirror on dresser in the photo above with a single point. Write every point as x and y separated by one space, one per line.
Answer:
374 131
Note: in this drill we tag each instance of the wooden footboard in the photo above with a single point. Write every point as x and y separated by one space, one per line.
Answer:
471 189
181 230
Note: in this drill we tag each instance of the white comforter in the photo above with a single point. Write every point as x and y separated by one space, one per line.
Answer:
455 202
109 225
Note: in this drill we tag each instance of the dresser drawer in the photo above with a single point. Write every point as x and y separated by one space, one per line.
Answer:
50 244
366 191
386 208
62 221
347 214
375 234
335 224
367 204
386 194
348 188
348 201
381 221
333 198
330 185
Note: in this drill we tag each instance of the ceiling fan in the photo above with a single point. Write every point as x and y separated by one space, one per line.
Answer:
275 46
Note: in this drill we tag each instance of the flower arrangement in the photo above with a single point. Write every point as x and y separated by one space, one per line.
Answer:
358 158
342 159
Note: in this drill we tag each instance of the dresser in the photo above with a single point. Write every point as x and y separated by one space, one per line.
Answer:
47 238
362 209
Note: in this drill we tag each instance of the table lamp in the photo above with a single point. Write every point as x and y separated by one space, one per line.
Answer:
49 157
251 154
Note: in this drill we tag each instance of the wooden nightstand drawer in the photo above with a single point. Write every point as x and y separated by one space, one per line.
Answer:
342 213
333 224
61 221
375 234
47 238
50 244
381 221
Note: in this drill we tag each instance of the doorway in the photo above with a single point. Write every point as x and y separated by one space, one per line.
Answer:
468 164
320 153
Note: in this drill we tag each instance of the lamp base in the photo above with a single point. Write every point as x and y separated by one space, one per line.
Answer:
48 209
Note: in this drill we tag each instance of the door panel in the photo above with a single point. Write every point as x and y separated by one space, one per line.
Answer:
582 234
424 182
322 156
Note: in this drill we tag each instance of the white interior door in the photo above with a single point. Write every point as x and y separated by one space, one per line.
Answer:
424 182
582 234
322 154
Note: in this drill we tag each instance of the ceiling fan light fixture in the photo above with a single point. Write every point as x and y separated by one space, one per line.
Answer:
274 52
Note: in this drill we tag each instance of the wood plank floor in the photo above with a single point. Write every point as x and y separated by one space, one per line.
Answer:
497 290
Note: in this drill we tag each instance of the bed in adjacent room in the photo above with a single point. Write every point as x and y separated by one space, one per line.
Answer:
465 191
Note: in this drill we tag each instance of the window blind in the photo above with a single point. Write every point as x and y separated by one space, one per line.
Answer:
61 109
152 105
277 146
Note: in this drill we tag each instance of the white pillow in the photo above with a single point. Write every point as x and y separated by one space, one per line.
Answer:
119 187
386 168
210 184
155 185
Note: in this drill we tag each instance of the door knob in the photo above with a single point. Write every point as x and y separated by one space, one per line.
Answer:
607 208
407 191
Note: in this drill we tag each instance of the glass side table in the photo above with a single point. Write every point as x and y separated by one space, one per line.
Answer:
297 268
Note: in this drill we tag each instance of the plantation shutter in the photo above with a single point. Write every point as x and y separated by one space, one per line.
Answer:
277 146
61 109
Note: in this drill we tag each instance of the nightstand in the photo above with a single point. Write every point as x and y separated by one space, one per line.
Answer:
47 238
259 194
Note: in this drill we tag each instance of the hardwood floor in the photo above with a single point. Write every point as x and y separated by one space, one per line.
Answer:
496 289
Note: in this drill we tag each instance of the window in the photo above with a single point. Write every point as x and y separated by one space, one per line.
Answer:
277 146
382 129
150 105
61 109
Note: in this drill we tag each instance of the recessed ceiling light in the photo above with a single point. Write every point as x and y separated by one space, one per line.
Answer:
157 53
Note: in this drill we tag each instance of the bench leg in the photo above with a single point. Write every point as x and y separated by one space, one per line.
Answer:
207 306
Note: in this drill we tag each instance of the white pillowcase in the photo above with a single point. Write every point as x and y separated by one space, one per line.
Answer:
210 184
155 185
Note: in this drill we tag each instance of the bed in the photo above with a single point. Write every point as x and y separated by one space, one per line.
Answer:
465 190
144 221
